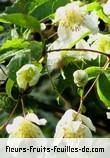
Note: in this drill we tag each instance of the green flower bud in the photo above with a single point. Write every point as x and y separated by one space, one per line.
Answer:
80 78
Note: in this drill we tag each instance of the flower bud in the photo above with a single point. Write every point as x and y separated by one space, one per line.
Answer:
43 26
80 78
27 76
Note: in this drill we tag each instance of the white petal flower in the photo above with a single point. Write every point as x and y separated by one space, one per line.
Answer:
73 22
100 43
106 8
27 76
86 55
74 125
83 54
24 127
71 17
55 59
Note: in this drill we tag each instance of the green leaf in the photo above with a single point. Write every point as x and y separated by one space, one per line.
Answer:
48 8
103 90
12 53
1 28
16 46
93 6
80 92
36 49
93 72
103 16
9 86
16 63
24 6
15 43
6 103
23 20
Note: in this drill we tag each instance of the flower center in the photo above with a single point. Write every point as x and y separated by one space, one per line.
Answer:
27 130
28 74
104 44
69 134
72 19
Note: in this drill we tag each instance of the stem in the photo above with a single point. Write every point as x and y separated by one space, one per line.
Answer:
79 49
22 105
67 104
104 67
91 87
81 104
51 36
10 116
83 97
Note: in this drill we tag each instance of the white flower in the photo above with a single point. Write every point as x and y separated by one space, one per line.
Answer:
25 127
106 8
73 23
27 76
71 17
3 74
74 125
100 42
81 55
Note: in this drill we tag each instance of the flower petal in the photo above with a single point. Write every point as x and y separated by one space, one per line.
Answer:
88 122
106 8
91 22
87 132
75 126
12 127
33 118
